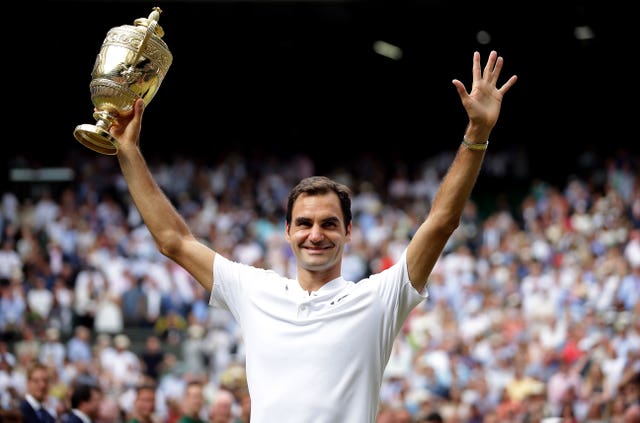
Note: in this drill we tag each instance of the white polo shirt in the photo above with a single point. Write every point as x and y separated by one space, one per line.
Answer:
319 357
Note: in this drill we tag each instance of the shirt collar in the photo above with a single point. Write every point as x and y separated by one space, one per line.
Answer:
81 415
328 289
34 403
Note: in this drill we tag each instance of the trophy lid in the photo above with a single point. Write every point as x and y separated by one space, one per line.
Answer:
153 16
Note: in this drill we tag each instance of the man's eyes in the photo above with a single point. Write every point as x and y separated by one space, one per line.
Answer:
327 225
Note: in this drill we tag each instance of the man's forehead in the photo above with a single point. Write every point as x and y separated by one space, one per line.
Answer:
326 198
326 205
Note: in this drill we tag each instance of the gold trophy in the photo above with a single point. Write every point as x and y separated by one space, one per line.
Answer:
131 64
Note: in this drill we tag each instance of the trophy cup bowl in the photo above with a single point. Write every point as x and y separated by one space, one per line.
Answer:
131 64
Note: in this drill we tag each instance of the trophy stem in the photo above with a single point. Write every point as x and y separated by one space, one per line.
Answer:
104 119
96 138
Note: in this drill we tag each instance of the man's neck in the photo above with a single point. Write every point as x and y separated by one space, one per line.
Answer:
311 281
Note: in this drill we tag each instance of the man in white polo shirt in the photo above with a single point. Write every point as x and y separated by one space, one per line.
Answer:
317 345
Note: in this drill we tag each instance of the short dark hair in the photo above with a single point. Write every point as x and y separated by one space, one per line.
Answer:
82 393
321 185
433 417
147 386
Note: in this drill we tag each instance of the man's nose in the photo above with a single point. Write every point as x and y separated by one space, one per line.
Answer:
316 234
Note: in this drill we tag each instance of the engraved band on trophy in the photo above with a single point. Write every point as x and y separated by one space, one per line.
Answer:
131 64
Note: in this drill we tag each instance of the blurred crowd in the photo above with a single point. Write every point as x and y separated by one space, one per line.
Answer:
533 311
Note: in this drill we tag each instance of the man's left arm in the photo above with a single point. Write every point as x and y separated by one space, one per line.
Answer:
482 105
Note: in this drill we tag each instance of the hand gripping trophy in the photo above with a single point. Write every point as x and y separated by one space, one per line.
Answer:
131 64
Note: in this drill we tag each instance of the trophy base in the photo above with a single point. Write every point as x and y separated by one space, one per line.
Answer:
96 139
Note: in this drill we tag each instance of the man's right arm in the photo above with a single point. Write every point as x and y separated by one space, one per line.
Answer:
169 230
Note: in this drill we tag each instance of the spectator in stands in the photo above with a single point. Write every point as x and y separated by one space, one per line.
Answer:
125 367
152 357
326 340
85 404
144 405
10 260
222 407
433 417
134 303
9 395
192 403
34 405
79 346
13 307
53 351
109 411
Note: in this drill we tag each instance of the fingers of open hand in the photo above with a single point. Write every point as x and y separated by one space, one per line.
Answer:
460 88
476 71
492 68
505 87
487 77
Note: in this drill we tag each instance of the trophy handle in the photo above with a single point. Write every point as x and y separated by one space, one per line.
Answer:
151 29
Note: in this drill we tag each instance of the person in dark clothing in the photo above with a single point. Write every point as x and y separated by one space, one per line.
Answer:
153 357
85 404
33 406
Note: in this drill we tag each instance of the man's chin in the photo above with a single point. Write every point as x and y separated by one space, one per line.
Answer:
316 265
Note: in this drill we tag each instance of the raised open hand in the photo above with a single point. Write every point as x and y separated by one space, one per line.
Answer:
484 101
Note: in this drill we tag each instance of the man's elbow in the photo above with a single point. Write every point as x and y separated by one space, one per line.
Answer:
445 223
170 245
447 227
